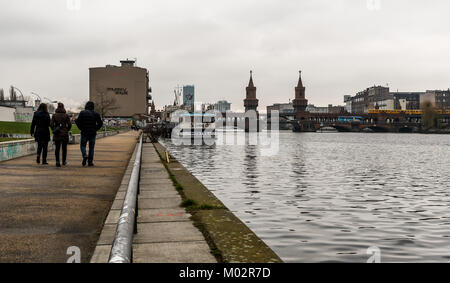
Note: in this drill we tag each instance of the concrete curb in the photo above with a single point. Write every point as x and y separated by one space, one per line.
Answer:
230 239
166 232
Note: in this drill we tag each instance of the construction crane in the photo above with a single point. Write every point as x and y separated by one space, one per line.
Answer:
178 92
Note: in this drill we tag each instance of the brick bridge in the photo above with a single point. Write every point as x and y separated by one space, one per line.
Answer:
377 122
311 122
303 121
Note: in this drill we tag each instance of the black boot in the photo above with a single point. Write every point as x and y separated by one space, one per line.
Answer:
38 160
44 157
84 161
58 164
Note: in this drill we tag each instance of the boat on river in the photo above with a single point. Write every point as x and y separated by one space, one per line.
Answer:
327 130
195 125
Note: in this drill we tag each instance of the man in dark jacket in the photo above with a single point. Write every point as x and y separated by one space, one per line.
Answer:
89 122
41 133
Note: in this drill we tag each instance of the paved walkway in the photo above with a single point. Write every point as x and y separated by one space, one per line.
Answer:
165 232
44 210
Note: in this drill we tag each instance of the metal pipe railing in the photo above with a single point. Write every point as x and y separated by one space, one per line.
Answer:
122 249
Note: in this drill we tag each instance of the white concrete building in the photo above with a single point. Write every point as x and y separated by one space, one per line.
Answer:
387 104
7 114
223 106
348 100
317 109
403 104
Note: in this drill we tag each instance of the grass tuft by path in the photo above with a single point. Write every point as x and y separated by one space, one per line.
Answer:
189 204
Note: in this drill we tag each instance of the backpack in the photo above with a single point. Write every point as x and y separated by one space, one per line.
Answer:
57 129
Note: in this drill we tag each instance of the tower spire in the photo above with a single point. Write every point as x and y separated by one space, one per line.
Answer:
300 102
251 102
251 107
300 82
251 84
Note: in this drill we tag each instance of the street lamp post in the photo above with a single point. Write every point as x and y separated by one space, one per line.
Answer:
51 101
37 102
51 104
40 99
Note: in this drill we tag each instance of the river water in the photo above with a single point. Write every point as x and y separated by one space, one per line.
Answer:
328 197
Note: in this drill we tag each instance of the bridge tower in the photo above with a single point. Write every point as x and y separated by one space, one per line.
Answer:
251 104
300 103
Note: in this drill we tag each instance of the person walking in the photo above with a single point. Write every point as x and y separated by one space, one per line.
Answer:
41 133
61 126
89 122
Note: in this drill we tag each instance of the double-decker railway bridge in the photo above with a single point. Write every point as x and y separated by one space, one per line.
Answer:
376 120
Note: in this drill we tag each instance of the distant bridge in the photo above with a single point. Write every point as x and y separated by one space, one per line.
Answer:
377 122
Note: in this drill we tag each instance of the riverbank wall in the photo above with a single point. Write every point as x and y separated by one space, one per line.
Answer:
230 240
16 149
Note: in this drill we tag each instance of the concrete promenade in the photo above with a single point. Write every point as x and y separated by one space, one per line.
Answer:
44 210
165 232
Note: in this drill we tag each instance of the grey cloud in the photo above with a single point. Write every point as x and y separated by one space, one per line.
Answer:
341 46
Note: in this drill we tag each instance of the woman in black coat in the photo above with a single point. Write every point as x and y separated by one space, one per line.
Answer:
40 131
61 126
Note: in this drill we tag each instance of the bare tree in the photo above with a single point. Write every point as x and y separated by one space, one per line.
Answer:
2 95
105 103
81 107
429 116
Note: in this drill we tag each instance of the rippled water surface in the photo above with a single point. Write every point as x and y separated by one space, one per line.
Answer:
329 197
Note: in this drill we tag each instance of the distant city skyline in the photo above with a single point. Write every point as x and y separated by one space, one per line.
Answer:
341 46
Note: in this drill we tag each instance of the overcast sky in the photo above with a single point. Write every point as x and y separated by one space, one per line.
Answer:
342 46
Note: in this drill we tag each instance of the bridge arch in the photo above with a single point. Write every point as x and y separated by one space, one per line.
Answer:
406 130
379 129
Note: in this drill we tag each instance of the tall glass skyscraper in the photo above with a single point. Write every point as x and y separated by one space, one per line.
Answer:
189 95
